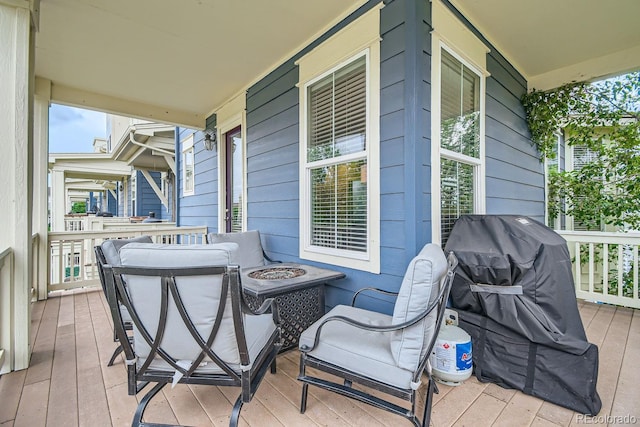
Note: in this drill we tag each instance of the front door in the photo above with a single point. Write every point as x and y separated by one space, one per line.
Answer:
234 182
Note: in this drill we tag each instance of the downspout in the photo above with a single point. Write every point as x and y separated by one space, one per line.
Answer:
141 144
178 175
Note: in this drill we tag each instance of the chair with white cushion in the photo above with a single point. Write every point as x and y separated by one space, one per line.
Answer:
251 252
109 253
190 323
385 353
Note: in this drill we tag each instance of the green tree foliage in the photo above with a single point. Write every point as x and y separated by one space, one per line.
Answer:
603 117
79 207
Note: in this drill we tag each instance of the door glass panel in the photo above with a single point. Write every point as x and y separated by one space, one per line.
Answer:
235 183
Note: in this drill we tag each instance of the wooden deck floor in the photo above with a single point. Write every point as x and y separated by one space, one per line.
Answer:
69 383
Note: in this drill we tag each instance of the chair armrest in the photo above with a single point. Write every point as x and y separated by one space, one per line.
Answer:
268 305
382 291
264 307
365 326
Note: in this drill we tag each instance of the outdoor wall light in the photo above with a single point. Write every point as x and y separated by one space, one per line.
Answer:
210 139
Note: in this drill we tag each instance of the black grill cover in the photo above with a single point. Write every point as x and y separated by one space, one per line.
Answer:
514 284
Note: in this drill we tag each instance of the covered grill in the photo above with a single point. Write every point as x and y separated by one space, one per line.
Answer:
515 297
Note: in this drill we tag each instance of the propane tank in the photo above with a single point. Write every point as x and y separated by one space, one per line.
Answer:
451 357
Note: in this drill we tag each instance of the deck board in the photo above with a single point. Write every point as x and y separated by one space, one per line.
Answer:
42 354
93 409
626 397
68 382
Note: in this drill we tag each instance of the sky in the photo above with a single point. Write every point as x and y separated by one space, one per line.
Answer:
72 130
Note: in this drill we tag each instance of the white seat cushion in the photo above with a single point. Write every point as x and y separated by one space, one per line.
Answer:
364 352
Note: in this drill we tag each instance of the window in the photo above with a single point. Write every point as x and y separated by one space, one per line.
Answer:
337 158
459 159
188 167
581 156
339 151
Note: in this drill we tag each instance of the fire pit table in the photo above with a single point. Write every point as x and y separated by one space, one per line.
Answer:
298 290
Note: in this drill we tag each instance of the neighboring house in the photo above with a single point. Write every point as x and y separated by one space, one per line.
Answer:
131 173
572 158
367 144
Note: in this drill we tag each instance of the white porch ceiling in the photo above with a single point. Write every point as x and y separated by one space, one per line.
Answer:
170 61
552 42
177 62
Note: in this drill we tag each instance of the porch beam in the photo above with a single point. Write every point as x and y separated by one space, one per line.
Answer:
155 187
614 64
68 95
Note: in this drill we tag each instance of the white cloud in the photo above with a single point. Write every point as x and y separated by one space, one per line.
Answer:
72 130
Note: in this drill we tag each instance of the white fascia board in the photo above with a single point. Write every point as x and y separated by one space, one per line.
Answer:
67 95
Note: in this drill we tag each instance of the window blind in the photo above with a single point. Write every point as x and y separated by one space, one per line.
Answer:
339 206
459 107
337 113
456 194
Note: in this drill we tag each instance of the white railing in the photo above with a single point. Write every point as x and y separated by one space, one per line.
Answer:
72 262
93 222
605 266
6 286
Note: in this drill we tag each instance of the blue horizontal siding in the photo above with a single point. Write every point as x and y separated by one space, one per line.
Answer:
146 199
514 179
201 208
514 173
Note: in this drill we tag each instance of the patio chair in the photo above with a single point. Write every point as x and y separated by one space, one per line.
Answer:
109 253
251 252
190 324
386 353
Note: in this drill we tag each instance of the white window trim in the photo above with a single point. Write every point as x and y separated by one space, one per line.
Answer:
187 145
557 223
479 178
358 39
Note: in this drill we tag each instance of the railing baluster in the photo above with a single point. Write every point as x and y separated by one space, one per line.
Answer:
635 272
578 276
620 269
591 267
60 261
605 269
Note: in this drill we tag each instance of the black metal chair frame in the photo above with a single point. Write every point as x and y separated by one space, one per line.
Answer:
101 261
248 380
350 377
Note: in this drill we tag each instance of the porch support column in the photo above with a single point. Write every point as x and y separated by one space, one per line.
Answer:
16 143
58 200
40 196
